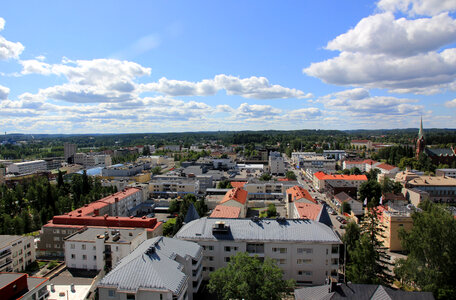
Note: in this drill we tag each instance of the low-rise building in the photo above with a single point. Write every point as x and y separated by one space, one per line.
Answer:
124 170
94 248
160 268
446 172
27 167
440 189
22 286
262 190
355 206
392 220
306 251
361 144
236 197
297 194
222 211
311 211
91 159
16 252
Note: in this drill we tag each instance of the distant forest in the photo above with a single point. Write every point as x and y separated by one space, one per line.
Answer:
44 145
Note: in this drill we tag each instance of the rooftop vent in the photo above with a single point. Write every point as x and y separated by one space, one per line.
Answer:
255 219
220 227
116 237
150 250
281 219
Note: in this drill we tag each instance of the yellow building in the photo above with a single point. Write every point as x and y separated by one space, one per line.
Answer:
392 221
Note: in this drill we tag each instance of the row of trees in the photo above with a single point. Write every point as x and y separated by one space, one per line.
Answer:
28 205
181 208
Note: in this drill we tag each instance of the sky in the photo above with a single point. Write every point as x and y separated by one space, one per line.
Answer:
178 65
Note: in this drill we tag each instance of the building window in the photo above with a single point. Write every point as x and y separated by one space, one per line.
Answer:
305 250
84 257
63 231
111 293
301 261
211 269
94 248
131 297
306 273
227 259
83 247
56 238
335 249
227 249
72 246
56 231
73 256
94 257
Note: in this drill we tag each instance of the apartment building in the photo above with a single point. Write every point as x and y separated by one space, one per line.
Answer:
439 188
305 250
93 248
320 179
24 287
172 188
297 194
91 160
160 268
69 150
27 167
310 162
258 189
16 252
355 206
336 154
392 220
112 211
276 163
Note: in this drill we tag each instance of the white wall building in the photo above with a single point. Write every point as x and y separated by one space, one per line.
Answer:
16 252
314 162
94 247
306 251
159 269
276 163
172 187
27 167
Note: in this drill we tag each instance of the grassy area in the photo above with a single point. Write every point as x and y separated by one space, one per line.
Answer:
42 264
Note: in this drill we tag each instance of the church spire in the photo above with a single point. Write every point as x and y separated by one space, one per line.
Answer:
421 132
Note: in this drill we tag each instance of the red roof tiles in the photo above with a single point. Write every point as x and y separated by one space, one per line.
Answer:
238 184
308 210
236 194
221 211
323 176
297 192
386 167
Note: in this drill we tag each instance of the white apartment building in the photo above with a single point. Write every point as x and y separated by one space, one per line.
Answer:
93 248
313 162
258 189
159 269
446 172
16 252
92 160
276 163
27 167
305 250
168 188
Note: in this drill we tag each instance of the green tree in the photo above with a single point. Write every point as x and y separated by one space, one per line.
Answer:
371 190
60 182
169 226
351 237
174 206
272 211
246 277
345 208
265 177
431 247
368 260
290 175
224 184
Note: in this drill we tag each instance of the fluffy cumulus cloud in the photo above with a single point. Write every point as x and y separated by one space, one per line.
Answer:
4 92
418 7
252 87
308 113
451 103
400 55
383 34
359 103
256 111
9 49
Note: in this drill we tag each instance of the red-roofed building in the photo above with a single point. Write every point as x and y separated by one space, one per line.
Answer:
387 170
22 286
363 165
238 184
311 211
297 194
236 197
321 178
222 211
112 211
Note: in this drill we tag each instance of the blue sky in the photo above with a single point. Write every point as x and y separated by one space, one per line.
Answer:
162 66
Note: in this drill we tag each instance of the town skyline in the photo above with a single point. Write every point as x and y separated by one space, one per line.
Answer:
202 67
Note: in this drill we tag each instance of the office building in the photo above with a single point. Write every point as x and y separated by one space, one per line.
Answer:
16 252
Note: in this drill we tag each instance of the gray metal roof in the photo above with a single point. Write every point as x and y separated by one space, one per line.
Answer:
358 292
157 270
297 230
7 240
192 214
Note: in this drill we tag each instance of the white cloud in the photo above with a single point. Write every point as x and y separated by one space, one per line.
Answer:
255 111
35 66
252 87
451 103
383 34
4 92
352 94
9 49
418 7
382 71
308 113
